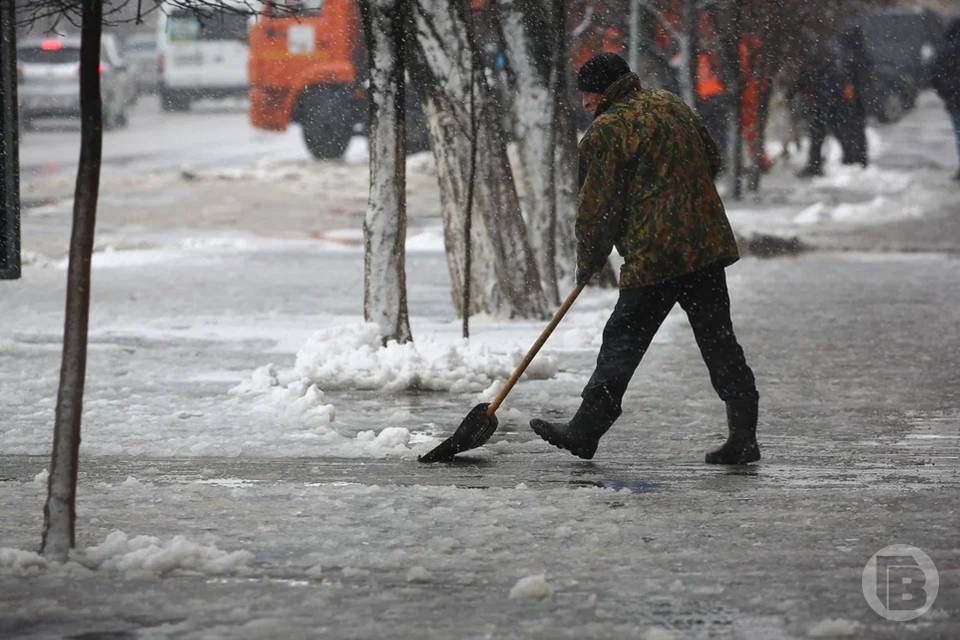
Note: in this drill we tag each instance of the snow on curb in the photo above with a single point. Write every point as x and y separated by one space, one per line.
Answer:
134 556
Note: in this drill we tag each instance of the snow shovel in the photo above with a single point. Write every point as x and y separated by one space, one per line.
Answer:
481 422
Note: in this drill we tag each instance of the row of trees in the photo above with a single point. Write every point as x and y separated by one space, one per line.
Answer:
507 254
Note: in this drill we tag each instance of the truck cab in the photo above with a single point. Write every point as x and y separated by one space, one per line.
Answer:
305 66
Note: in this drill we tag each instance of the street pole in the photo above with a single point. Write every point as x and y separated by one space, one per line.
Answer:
633 54
730 30
9 150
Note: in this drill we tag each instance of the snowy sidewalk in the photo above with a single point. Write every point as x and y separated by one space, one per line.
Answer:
245 477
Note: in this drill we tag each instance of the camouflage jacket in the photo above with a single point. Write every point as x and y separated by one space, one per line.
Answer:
647 168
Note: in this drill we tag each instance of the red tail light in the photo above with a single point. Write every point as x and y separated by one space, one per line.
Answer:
51 45
160 60
19 73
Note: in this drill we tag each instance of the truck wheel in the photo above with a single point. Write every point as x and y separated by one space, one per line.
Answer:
327 122
174 101
325 142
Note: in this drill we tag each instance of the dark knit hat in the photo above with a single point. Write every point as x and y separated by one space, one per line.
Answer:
599 72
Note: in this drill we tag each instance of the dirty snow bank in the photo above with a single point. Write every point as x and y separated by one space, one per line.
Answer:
139 555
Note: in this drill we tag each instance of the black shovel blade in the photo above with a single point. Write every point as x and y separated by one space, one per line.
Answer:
473 432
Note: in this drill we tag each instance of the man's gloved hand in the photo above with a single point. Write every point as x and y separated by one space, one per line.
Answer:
584 275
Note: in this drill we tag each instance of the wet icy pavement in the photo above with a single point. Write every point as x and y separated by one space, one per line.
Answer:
707 553
855 356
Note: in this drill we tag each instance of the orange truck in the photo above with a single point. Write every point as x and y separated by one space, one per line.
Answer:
306 65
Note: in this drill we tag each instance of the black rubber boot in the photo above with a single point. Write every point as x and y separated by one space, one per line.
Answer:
741 446
580 436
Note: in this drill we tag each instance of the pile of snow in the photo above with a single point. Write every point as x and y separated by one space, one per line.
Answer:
834 628
531 588
21 563
353 358
135 556
288 395
287 399
147 554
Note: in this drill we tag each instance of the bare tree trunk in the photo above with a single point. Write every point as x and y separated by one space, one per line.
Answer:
529 28
564 151
565 176
504 279
59 513
689 52
385 25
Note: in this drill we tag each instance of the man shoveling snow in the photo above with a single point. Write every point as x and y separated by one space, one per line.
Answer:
647 170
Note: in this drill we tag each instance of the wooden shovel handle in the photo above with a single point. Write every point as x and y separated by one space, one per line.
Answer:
527 359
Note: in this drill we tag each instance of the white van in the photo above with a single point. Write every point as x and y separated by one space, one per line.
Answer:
202 54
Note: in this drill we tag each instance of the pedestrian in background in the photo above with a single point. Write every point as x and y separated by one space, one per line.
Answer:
945 78
647 170
819 83
857 71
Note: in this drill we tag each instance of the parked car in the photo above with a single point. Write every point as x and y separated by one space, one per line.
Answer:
201 56
140 51
48 80
902 45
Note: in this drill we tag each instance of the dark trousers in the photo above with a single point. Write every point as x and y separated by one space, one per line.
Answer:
820 122
847 124
853 133
714 114
640 312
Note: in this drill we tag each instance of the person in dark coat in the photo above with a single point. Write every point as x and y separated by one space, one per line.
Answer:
857 72
945 77
819 82
646 170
